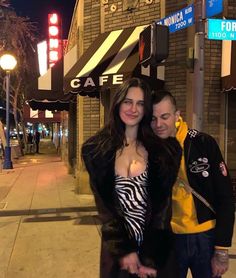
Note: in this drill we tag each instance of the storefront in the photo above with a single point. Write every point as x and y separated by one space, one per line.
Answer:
104 37
111 58
48 97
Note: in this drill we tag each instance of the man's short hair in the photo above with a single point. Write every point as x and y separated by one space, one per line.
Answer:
159 95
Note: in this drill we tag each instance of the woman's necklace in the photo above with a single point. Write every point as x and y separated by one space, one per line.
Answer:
130 143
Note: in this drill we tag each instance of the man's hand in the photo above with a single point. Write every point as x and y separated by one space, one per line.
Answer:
220 262
145 272
130 263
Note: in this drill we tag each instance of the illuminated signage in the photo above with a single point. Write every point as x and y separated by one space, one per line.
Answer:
42 48
54 39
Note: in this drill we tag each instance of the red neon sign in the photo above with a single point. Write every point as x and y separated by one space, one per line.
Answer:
54 39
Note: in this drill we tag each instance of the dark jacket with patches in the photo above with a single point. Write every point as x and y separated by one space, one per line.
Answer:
208 175
162 172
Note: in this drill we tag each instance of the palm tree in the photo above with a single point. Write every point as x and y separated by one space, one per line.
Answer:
18 34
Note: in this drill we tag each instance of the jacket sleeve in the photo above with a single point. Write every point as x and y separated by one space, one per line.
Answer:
223 192
158 237
158 241
114 234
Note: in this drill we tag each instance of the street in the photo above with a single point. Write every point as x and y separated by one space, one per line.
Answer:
46 228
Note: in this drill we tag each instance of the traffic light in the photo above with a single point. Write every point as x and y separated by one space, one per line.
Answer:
153 44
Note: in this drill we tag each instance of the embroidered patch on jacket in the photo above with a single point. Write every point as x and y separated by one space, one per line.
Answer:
223 169
201 165
192 133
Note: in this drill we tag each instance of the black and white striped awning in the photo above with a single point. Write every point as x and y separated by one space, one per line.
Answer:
228 66
111 58
48 93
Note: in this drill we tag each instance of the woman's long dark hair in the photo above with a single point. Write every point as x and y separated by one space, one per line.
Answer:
112 136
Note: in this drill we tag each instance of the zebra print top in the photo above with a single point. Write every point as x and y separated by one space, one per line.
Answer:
132 195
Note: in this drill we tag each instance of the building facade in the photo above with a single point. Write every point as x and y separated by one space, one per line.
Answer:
93 18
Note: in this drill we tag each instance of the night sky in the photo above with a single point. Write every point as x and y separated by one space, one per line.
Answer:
37 11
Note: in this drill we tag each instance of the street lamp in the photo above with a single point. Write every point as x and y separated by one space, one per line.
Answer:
7 63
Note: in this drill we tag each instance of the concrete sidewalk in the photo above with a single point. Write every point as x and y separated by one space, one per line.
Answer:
46 229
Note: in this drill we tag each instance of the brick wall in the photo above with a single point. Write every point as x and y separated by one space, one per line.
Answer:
91 120
91 106
114 15
231 9
141 14
117 17
91 21
212 87
175 76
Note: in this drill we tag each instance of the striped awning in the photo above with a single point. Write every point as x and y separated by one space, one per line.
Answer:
48 93
228 66
111 58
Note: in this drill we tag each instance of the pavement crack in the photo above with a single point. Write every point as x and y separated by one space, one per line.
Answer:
14 243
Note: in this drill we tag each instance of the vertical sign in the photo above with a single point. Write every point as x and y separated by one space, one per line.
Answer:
54 39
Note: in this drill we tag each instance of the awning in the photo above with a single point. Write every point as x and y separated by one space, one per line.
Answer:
110 59
228 66
48 93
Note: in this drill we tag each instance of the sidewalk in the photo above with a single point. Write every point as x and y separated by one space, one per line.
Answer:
46 229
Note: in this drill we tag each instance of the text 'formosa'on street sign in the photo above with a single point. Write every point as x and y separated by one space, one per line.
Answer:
221 29
179 20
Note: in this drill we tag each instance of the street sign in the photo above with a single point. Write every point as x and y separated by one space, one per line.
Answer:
179 20
214 7
221 29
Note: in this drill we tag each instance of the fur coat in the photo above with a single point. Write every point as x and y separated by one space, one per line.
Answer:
163 167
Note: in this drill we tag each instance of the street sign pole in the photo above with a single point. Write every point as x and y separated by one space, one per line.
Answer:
198 78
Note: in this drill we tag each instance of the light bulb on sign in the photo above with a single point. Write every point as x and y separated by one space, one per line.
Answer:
53 18
53 31
53 43
53 55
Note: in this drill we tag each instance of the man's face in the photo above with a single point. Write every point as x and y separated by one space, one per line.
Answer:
164 118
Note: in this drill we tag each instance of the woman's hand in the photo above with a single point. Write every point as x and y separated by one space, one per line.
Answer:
145 272
130 263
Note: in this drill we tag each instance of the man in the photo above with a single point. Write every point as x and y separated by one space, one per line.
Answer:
202 197
37 140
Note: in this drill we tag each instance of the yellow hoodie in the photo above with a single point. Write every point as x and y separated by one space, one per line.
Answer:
184 218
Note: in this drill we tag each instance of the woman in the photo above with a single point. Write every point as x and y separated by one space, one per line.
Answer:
131 174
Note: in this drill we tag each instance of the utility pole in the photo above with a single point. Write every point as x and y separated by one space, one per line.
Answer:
198 78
